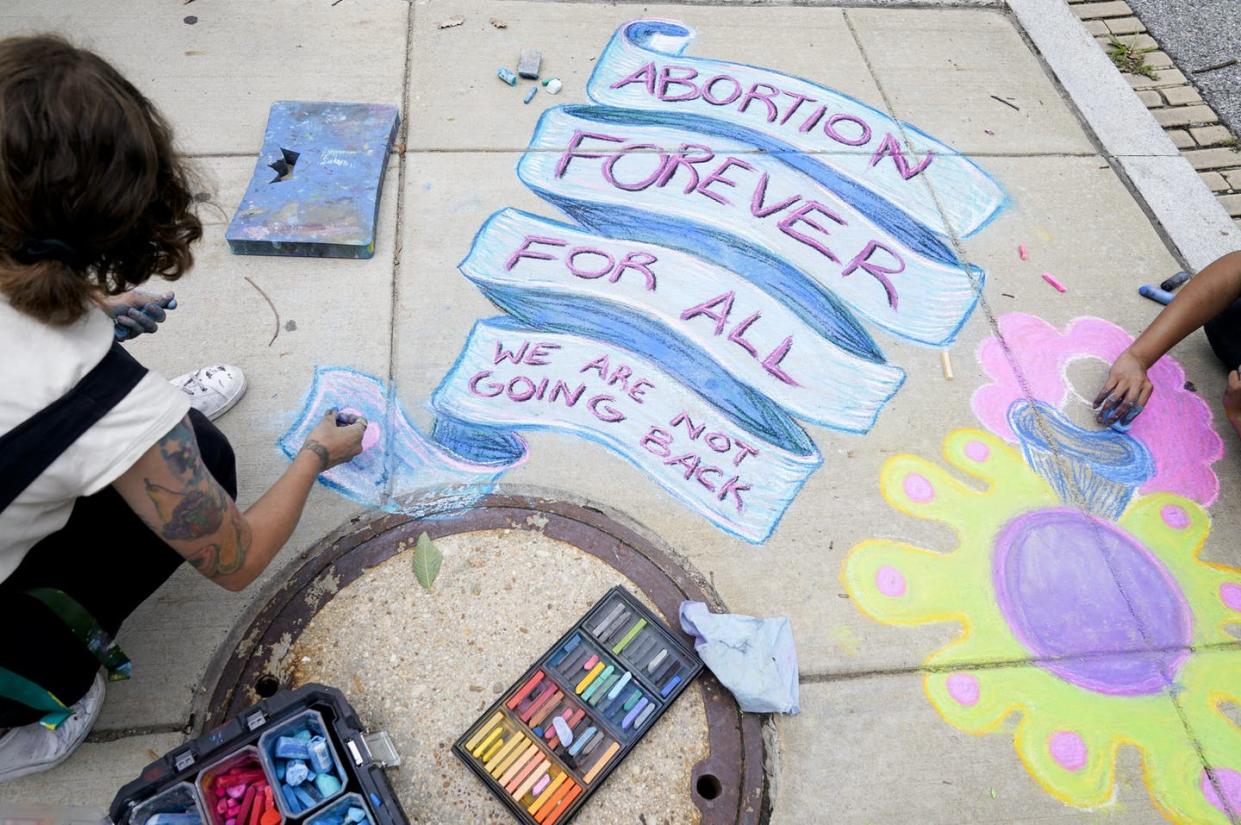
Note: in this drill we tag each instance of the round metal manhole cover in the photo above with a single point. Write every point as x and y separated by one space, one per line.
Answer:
517 573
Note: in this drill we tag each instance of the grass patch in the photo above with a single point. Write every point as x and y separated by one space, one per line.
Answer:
1129 58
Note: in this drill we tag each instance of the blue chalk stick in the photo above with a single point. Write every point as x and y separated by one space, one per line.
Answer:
327 784
672 683
304 797
1156 294
530 94
320 754
291 799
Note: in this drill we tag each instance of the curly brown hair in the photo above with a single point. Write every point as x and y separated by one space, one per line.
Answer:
93 197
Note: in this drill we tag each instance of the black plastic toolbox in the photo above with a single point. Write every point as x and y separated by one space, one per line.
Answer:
181 780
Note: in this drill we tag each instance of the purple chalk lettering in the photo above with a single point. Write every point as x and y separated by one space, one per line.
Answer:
587 274
707 308
575 142
524 250
660 439
801 214
640 261
666 79
879 273
892 146
644 75
681 158
718 177
539 352
757 207
798 100
753 94
737 336
609 165
829 129
608 413
494 388
708 90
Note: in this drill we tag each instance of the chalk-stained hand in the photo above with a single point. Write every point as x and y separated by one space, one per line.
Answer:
137 312
335 443
1126 392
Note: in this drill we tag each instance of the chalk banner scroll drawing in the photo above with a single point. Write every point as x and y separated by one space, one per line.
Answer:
737 233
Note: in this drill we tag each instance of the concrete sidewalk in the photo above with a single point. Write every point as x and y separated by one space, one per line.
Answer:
923 697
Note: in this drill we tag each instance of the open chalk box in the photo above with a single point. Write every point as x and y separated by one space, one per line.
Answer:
298 758
562 728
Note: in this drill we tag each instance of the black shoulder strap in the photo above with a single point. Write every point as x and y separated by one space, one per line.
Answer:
31 447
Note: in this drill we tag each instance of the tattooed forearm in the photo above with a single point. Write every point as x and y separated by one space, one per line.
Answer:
325 458
215 561
180 452
188 515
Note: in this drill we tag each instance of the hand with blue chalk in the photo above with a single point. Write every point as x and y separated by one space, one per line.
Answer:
136 312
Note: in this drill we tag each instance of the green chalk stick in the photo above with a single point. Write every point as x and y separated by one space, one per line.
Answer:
628 637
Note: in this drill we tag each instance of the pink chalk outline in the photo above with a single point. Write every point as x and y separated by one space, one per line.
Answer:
1175 426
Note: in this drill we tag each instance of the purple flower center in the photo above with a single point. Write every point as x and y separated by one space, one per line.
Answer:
1090 602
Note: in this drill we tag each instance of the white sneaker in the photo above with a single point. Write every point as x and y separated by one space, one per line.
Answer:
33 748
213 390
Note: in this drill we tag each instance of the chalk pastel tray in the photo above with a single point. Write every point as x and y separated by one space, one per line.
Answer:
608 680
340 778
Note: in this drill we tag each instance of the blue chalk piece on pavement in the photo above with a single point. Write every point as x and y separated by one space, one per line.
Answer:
296 773
507 76
1156 294
530 94
327 784
320 755
316 183
289 748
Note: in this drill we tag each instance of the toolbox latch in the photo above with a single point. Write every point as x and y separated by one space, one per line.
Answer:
374 747
183 760
255 720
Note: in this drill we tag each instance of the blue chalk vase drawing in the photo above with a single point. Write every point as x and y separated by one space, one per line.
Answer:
717 283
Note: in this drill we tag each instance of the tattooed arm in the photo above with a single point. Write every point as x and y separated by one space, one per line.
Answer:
174 493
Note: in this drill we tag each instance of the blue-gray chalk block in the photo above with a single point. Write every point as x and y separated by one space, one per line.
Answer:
1156 294
530 94
325 202
303 797
507 76
288 747
528 63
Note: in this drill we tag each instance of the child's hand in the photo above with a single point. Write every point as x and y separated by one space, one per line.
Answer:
137 312
1126 392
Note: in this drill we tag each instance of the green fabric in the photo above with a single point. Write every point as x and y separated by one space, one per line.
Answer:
20 689
88 631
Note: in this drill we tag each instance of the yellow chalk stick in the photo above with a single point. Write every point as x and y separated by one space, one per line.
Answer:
486 743
588 678
503 761
476 738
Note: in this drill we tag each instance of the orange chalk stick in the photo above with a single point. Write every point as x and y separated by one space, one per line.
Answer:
565 803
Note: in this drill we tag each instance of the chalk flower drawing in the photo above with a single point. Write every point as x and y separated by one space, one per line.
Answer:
718 284
1107 611
1043 354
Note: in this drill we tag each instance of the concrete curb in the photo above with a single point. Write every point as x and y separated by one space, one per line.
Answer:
1194 221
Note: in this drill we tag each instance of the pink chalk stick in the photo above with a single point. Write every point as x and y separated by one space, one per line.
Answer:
1059 287
1022 252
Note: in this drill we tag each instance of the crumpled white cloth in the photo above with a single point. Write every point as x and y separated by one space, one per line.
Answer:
753 658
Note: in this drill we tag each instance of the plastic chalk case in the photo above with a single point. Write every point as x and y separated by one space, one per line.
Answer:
298 758
557 733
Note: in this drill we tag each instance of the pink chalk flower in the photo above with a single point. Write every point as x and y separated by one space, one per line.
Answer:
1175 426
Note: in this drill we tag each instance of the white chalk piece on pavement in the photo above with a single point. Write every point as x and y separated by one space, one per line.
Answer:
753 658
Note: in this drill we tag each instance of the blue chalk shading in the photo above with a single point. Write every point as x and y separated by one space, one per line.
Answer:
1100 469
327 204
401 463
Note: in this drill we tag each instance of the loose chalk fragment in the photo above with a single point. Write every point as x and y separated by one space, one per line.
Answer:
507 76
1023 253
452 22
1059 287
1175 282
530 94
528 63
553 85
1157 295
945 361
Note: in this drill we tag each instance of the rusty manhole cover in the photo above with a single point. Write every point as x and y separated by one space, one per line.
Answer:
392 649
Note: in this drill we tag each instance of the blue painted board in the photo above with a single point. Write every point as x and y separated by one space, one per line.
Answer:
317 180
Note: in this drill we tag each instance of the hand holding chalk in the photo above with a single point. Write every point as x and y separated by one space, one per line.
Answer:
137 312
334 442
1125 393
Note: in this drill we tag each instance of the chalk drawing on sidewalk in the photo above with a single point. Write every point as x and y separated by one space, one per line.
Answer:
1106 610
738 233
1181 464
